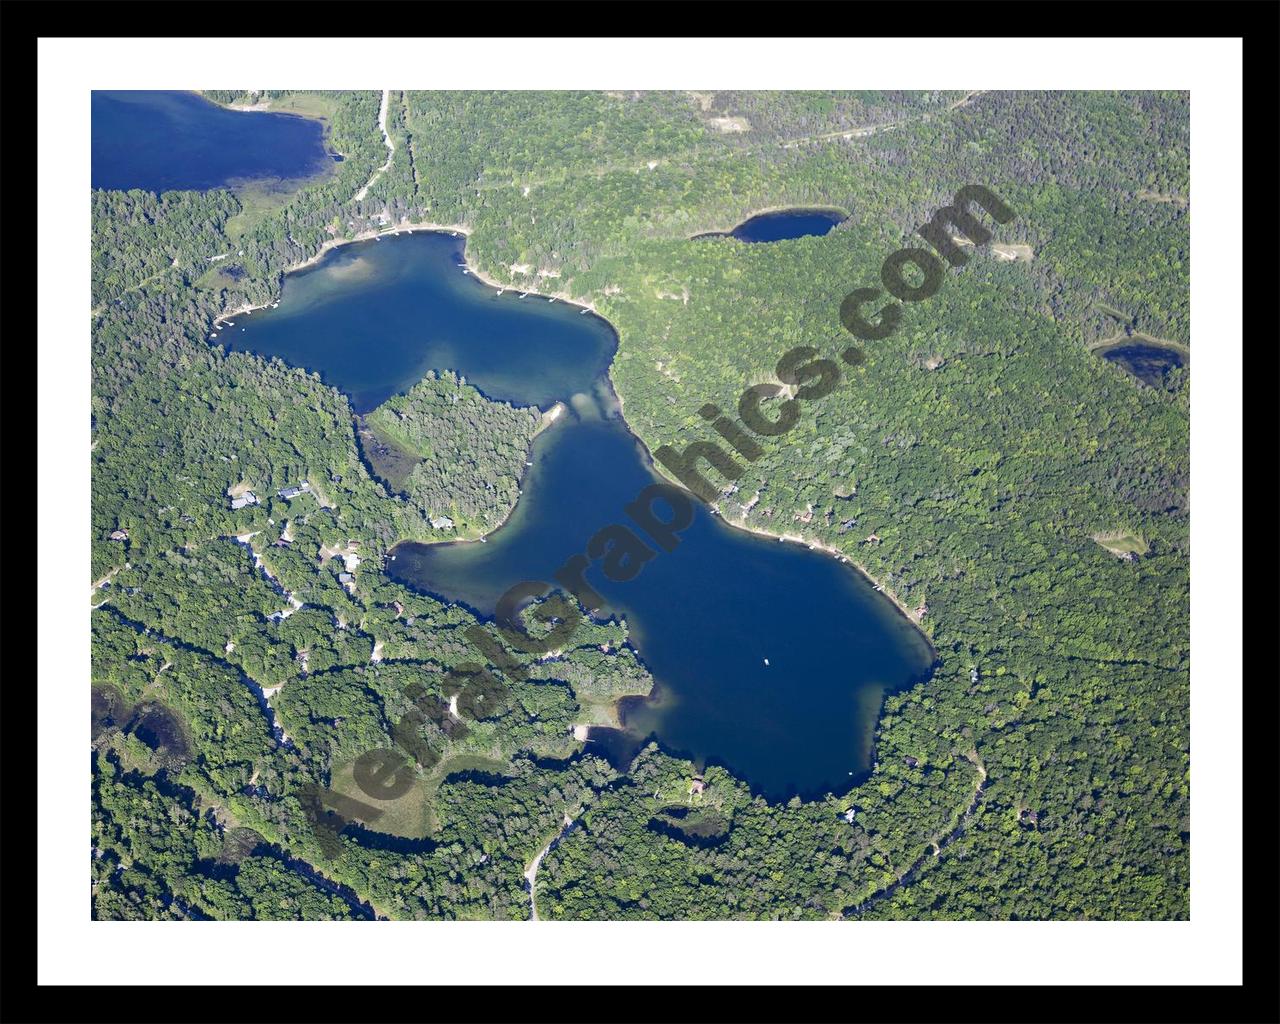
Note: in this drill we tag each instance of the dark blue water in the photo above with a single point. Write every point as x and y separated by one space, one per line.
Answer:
374 317
1149 363
162 141
703 617
781 225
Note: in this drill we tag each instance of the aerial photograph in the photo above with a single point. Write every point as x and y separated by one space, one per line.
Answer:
638 505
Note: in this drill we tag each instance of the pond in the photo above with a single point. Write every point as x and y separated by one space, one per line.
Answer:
771 659
163 141
780 225
1148 362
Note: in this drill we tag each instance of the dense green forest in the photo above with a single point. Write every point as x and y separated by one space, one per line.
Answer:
467 453
990 452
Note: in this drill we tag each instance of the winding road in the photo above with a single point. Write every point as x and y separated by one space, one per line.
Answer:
531 872
391 147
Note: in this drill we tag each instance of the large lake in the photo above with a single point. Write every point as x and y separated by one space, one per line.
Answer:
163 141
373 317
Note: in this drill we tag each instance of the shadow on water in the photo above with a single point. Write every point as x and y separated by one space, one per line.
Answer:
159 728
1149 363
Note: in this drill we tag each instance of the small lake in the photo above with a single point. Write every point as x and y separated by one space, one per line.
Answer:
164 141
781 225
1149 363
373 317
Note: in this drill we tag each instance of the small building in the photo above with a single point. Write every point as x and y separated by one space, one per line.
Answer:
346 577
910 761
973 674
441 523
119 534
248 498
697 786
849 814
289 493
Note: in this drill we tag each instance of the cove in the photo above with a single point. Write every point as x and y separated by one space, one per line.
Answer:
162 141
703 617
373 317
780 225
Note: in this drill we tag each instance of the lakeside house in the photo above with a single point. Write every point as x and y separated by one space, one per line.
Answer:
441 523
697 786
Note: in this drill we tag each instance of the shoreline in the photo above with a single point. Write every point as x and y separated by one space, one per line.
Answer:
817 545
839 555
764 212
404 227
549 419
550 416
1103 345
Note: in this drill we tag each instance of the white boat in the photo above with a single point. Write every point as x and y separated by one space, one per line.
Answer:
766 662
523 294
584 311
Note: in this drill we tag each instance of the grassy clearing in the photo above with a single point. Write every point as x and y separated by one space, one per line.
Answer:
320 106
214 279
259 203
408 816
1122 543
413 815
